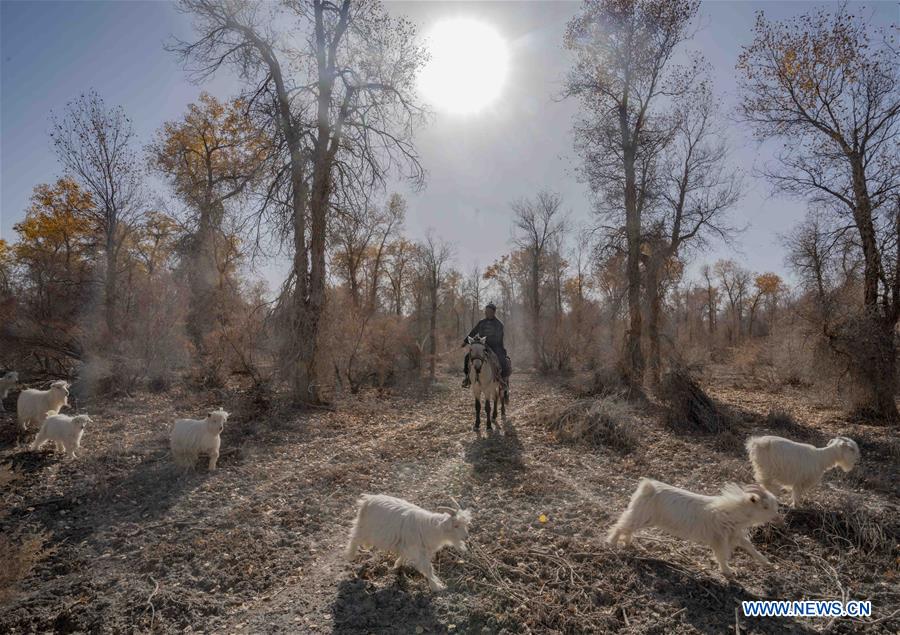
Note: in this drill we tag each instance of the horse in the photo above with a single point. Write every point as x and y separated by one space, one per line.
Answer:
484 374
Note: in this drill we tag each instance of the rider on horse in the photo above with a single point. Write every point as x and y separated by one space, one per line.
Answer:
492 329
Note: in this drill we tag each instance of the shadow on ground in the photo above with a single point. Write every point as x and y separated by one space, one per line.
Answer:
496 451
138 492
360 607
708 604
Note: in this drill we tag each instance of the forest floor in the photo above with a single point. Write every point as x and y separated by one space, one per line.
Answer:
256 546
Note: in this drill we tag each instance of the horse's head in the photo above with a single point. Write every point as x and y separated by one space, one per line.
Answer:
477 352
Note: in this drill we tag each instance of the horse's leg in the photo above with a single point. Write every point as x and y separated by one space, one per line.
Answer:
487 412
496 399
477 414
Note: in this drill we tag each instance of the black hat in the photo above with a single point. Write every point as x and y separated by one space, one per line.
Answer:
491 305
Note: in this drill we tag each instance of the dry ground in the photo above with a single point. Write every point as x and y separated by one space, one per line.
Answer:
255 546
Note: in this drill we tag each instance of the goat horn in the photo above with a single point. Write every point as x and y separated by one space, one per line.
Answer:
449 510
456 502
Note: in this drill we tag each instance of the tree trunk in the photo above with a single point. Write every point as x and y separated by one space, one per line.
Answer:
111 282
304 327
432 333
878 366
536 341
634 353
654 302
203 279
874 354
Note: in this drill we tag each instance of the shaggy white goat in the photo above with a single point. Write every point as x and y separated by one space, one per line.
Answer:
720 522
9 380
798 466
63 430
192 437
34 405
414 534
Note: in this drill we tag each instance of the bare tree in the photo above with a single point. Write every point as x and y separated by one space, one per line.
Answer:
399 257
344 118
735 281
474 287
829 83
388 222
712 298
95 145
697 189
434 257
538 223
353 231
766 287
623 50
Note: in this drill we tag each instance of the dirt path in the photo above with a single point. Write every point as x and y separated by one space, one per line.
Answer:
257 545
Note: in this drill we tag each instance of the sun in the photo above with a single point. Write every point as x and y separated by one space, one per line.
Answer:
468 66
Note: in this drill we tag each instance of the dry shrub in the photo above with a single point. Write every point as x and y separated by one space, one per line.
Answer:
751 358
20 550
694 355
19 553
791 363
689 405
848 525
363 349
777 418
605 381
607 422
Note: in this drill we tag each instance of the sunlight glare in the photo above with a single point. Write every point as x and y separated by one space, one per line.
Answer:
467 68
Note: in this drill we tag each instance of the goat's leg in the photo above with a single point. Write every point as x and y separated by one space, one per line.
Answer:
477 414
213 457
424 566
38 440
745 544
623 531
722 552
352 548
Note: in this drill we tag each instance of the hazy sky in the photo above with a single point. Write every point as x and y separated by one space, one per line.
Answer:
476 163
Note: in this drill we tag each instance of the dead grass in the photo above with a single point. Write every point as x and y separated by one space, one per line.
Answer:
848 527
602 382
607 422
19 550
255 546
689 405
19 553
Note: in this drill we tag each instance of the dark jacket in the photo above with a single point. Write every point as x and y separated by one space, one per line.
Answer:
492 329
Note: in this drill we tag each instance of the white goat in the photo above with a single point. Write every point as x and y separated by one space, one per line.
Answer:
9 380
720 522
63 430
192 437
34 405
414 534
779 462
